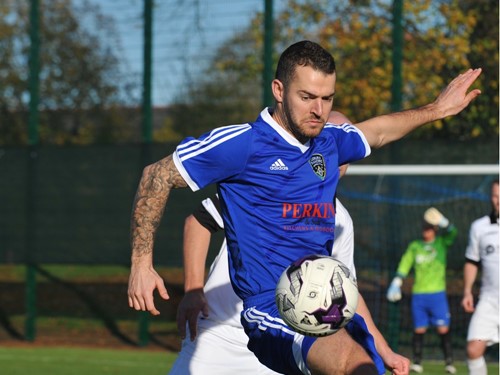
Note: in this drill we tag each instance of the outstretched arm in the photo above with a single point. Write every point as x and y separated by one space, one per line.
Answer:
384 129
398 364
157 181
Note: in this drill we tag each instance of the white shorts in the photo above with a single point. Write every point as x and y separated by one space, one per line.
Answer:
218 350
484 323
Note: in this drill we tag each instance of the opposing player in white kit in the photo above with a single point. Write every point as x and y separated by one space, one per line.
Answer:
482 251
276 179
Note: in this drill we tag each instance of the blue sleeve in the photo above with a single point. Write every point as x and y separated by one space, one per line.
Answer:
351 143
214 157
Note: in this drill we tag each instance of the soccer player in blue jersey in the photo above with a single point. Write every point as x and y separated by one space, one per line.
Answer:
217 343
276 179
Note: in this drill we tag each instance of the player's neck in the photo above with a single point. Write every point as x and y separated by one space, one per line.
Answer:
281 119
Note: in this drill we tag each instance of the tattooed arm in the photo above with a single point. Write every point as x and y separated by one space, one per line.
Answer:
157 181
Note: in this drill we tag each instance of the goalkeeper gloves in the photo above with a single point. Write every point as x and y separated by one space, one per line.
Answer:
436 218
394 291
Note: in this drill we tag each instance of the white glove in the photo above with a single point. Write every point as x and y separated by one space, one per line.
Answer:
394 291
434 217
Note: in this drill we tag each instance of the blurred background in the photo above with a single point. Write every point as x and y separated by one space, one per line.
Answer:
92 91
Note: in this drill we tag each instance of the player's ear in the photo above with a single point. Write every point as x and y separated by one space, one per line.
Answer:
278 90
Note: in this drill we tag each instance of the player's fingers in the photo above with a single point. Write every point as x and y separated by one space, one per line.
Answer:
401 371
472 95
162 290
135 303
137 299
472 75
181 324
468 79
152 310
465 80
193 320
406 368
149 305
401 366
204 310
468 305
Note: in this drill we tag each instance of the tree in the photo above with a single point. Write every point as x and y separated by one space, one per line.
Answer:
81 87
228 91
484 53
441 39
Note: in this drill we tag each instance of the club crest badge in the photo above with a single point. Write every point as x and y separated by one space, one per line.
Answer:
318 165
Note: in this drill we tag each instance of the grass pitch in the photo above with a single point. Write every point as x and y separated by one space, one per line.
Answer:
437 368
79 361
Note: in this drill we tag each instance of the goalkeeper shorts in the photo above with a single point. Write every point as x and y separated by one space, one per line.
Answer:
430 310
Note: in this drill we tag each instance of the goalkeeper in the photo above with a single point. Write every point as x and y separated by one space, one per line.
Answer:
429 302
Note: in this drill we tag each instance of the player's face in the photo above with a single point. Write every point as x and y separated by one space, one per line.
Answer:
494 198
307 103
428 232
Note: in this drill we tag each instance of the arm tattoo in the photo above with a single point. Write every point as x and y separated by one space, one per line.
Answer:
157 181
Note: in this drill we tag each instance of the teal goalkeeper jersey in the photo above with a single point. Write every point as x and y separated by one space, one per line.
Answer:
428 260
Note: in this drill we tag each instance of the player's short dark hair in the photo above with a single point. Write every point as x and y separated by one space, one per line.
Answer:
303 53
426 225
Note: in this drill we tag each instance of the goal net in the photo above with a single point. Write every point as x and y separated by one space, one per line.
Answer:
387 203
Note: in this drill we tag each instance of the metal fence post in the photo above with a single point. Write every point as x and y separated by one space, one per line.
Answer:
34 69
147 130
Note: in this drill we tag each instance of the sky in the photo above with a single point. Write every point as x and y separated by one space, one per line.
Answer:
185 33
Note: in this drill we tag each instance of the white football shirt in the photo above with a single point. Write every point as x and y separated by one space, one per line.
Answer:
483 248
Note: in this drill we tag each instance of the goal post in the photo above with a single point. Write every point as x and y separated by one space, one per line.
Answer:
425 169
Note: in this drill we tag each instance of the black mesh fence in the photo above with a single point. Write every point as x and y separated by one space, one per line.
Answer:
72 205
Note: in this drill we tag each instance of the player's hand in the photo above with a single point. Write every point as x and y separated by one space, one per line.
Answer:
193 302
397 364
436 218
142 282
454 98
468 302
394 291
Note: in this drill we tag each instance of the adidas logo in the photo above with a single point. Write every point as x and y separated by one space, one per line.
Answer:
278 165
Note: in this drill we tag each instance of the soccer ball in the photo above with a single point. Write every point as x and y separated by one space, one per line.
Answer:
317 295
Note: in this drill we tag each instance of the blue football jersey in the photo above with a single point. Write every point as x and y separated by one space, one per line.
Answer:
277 195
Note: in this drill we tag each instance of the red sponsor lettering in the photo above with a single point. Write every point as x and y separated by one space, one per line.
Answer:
308 210
286 208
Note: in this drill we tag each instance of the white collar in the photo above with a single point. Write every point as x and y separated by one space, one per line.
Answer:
266 115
